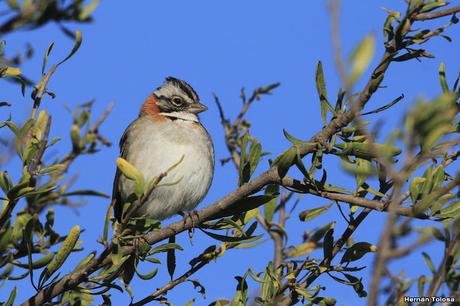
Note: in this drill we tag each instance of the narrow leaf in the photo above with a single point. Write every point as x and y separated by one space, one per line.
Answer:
442 78
361 58
322 92
76 46
171 257
310 214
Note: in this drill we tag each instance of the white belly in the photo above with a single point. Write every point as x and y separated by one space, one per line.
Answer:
158 149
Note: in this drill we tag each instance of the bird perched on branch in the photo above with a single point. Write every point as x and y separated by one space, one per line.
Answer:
166 132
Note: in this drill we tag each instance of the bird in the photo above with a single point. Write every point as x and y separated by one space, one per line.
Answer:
167 132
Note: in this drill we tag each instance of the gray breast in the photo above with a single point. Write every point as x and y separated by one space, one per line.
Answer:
153 148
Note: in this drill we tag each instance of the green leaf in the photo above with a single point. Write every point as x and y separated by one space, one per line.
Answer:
78 40
361 58
310 214
85 260
430 6
301 249
439 177
171 257
429 262
328 244
132 173
61 256
248 162
270 206
255 154
231 238
357 251
86 193
11 298
415 188
244 205
366 150
363 170
190 303
165 248
241 294
57 168
421 285
320 232
249 215
285 160
451 211
220 302
324 301
268 284
295 141
84 14
199 287
147 276
322 92
40 263
244 167
442 78
357 285
4 182
45 57
6 71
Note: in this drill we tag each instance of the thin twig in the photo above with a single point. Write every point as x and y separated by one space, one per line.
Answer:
441 271
435 15
42 90
334 9
350 199
163 290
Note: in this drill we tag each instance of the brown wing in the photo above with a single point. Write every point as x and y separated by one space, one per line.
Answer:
116 197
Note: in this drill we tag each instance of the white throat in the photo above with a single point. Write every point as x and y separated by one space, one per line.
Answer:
182 115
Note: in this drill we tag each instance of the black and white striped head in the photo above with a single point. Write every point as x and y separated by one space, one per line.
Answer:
177 99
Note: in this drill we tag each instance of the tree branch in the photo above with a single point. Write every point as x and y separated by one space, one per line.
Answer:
435 15
348 198
163 290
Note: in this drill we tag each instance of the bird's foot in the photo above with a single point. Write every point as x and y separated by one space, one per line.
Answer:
195 220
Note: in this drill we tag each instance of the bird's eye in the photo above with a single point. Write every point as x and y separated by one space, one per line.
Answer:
177 101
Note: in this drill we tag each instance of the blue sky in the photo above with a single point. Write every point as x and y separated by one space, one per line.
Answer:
218 47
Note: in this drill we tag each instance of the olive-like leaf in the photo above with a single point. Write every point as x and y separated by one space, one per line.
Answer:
357 250
61 256
76 46
328 244
361 58
322 92
285 160
442 78
269 207
310 214
429 262
171 257
11 298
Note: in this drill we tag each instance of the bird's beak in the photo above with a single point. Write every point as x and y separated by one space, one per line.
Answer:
197 108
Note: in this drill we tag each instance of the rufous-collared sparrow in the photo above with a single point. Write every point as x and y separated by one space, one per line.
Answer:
166 131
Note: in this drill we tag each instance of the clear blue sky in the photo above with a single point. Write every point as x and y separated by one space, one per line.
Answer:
217 47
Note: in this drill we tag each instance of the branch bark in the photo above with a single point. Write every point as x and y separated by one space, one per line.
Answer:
435 15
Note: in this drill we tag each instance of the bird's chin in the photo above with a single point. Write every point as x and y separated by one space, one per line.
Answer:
182 115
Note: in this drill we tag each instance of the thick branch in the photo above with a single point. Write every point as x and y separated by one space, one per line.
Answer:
73 279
